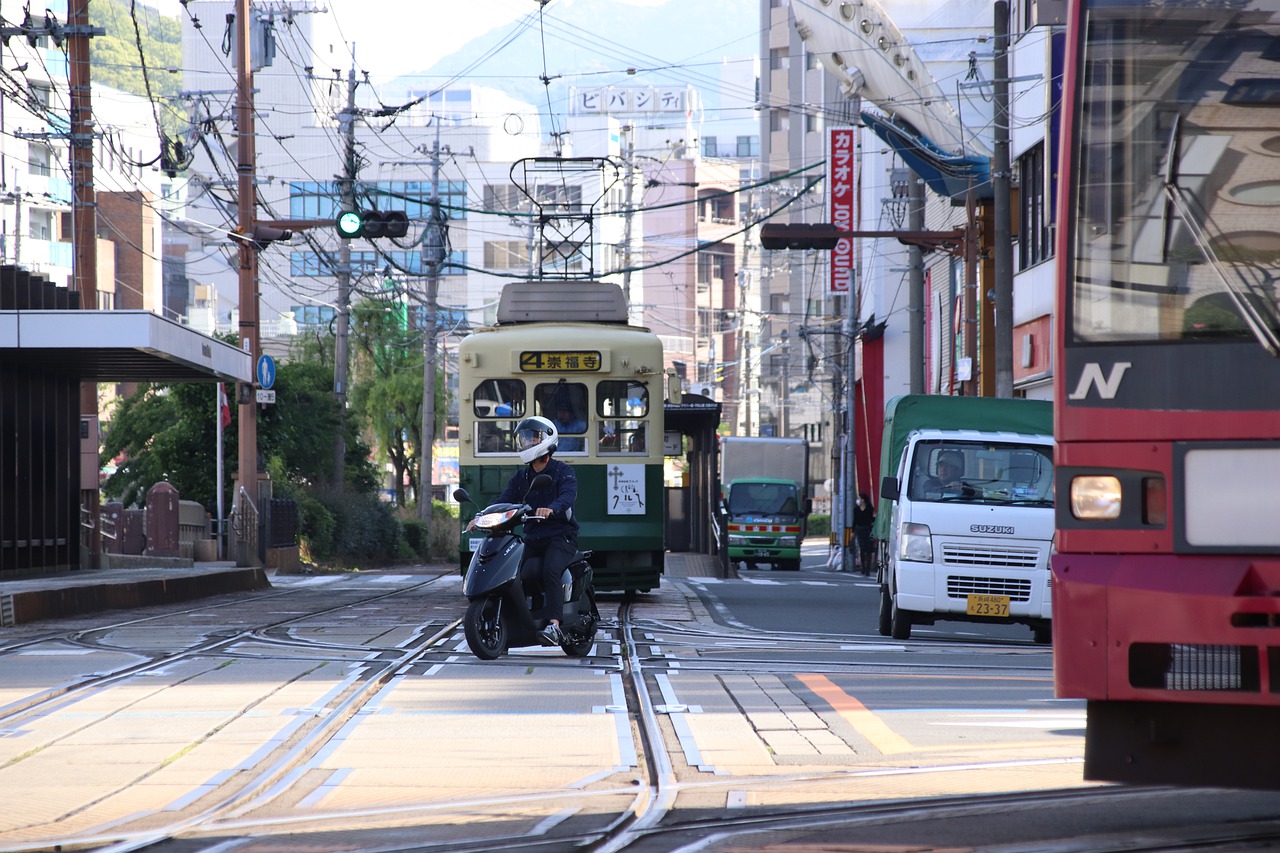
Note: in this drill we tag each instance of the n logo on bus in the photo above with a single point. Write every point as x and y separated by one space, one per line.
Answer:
1092 375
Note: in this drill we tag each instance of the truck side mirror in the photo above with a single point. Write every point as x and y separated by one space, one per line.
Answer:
808 506
889 488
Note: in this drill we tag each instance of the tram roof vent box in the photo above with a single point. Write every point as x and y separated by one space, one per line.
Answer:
557 301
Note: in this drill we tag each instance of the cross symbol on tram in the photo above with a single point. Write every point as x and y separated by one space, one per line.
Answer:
616 473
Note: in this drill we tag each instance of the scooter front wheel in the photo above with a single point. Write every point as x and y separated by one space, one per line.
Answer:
485 629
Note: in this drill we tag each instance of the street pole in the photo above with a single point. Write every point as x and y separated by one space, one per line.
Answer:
1002 244
915 299
248 271
628 162
848 491
433 257
341 347
84 231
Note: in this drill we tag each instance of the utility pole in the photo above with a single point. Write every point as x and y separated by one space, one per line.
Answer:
432 257
628 162
915 299
341 347
84 218
246 159
1002 243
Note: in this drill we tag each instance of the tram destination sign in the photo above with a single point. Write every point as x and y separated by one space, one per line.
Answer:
561 361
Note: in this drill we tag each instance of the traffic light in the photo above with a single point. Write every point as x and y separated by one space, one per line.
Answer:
819 235
266 234
372 223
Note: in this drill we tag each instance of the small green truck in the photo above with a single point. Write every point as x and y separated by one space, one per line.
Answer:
763 506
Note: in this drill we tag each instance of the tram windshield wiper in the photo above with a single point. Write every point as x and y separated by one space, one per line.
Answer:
1242 292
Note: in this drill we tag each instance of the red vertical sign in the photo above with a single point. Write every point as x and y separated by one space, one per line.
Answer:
842 185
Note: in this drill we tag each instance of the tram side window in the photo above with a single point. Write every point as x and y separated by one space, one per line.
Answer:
565 405
621 407
498 405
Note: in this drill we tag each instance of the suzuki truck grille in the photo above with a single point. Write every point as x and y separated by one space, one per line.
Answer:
985 555
1018 589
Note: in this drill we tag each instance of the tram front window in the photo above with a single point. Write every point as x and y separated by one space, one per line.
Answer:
498 405
565 405
621 407
1176 177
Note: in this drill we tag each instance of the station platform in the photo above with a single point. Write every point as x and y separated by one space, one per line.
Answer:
94 590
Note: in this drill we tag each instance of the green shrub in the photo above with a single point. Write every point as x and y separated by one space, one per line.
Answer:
316 527
819 524
366 529
415 536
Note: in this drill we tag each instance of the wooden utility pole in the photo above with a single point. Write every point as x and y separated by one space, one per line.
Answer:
84 225
247 201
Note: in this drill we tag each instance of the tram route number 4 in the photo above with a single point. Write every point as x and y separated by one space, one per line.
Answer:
625 489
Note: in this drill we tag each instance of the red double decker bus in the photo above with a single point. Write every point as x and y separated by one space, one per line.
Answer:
1166 581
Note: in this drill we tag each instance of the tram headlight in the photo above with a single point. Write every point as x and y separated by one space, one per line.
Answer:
1095 498
916 543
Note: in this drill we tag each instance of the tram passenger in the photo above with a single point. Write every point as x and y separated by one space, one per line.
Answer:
555 537
567 422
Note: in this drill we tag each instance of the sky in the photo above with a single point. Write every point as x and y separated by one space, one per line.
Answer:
410 35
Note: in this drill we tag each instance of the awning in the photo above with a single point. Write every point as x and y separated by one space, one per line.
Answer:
949 175
119 346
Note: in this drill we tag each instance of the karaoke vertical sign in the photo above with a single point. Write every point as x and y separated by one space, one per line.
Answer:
842 184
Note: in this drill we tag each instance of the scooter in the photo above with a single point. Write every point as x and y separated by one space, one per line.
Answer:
502 613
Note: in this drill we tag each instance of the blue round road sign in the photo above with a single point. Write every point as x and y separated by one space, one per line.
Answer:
266 371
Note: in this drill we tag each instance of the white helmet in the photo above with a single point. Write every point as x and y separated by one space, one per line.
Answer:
536 437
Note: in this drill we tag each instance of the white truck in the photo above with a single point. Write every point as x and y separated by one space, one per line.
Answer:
965 523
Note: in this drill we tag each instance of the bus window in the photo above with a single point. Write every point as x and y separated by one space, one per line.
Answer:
565 405
620 406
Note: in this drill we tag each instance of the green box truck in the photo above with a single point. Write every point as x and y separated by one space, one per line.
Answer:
763 505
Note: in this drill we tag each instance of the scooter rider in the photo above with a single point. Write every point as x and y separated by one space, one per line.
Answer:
555 537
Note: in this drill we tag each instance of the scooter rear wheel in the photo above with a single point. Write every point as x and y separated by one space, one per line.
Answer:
485 629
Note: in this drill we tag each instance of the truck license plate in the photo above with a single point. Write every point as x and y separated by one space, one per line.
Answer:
761 552
988 605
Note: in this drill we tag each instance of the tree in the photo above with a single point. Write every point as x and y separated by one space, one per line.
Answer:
165 433
116 60
168 433
387 385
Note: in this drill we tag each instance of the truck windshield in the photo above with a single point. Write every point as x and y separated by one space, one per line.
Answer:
982 472
763 499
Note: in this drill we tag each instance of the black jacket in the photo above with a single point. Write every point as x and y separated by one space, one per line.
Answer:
559 496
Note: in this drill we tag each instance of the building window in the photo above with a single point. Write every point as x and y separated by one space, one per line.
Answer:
40 225
502 198
506 254
1034 242
779 120
748 146
38 159
811 123
323 199
779 59
709 146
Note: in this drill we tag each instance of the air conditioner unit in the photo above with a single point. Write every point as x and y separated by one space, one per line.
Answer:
708 391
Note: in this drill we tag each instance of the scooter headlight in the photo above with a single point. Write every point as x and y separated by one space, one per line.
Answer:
490 520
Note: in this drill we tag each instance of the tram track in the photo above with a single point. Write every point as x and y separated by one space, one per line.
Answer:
659 805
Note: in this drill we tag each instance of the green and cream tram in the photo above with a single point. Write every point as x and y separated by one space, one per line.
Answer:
601 381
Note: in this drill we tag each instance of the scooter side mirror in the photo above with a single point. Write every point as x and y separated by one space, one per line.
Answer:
460 495
540 482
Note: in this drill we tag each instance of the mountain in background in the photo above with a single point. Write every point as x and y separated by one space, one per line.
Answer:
592 43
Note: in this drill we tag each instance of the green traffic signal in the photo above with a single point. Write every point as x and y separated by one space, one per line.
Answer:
350 224
371 223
